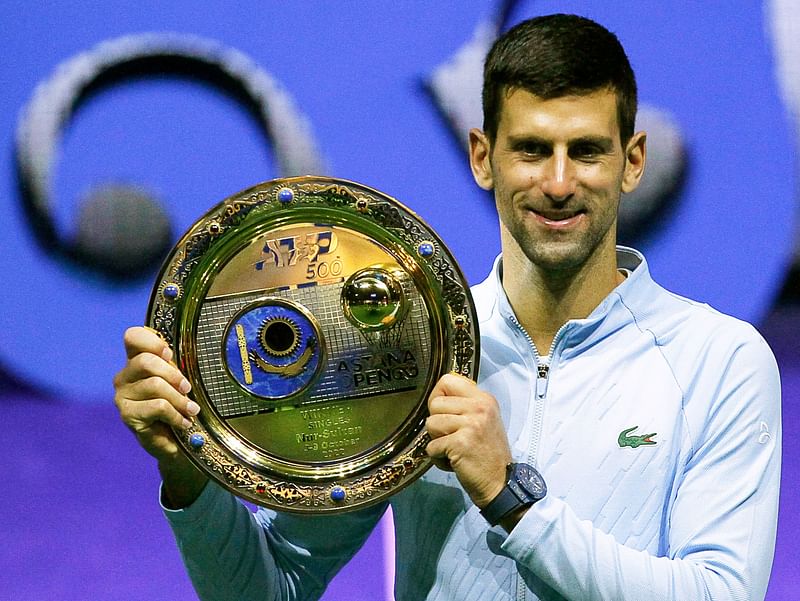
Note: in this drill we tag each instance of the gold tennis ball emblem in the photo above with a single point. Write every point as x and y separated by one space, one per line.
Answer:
373 299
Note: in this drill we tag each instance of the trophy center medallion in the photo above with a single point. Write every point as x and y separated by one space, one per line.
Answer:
272 349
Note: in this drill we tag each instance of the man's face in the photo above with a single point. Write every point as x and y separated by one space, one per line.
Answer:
558 168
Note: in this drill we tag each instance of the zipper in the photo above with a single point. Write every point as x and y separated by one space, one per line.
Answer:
542 367
542 378
542 382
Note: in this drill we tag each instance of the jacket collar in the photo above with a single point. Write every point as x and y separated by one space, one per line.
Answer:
614 310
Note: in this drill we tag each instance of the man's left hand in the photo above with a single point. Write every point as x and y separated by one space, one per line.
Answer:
468 437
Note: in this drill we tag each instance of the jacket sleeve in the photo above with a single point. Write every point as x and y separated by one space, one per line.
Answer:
722 523
232 553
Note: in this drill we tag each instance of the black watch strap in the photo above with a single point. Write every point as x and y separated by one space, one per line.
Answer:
524 486
501 505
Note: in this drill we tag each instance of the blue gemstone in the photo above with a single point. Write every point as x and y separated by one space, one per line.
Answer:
425 249
197 441
285 195
171 291
338 493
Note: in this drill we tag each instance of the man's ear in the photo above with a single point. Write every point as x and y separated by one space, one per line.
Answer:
635 159
479 162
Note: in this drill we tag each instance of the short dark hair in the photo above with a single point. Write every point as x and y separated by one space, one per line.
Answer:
554 56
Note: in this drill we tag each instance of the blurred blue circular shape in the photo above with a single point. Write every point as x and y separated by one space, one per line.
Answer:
64 336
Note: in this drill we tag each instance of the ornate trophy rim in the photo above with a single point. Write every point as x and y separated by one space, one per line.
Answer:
186 277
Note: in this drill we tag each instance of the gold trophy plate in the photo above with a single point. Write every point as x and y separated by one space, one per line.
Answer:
313 316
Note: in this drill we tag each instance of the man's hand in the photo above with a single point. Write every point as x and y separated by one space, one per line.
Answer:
151 396
468 437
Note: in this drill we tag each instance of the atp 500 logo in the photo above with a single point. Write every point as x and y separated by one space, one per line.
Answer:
311 247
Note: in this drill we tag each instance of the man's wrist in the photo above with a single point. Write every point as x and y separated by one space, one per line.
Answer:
182 483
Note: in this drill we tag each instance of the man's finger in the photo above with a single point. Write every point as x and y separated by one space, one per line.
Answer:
451 405
145 340
147 365
141 415
443 424
437 451
454 384
155 388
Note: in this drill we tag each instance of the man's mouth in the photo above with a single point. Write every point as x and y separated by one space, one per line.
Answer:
559 219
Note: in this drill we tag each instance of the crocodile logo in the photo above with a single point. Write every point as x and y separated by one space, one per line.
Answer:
626 439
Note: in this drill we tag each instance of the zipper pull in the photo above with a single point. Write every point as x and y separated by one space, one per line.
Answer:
543 371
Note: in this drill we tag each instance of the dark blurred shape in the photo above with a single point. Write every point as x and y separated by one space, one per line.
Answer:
122 231
11 384
790 293
645 209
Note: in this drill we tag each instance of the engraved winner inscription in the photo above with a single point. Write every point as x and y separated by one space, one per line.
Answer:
330 431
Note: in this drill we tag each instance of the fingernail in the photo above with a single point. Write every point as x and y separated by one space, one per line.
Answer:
166 354
184 386
186 424
192 408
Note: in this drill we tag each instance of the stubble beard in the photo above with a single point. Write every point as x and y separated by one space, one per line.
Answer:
560 254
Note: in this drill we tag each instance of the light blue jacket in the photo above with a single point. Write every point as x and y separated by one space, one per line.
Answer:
687 513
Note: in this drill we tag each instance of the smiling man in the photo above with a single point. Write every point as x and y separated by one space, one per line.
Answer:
557 167
614 444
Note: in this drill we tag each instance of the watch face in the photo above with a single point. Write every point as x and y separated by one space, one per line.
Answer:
530 480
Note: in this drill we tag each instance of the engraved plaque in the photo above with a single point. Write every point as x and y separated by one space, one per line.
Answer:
313 316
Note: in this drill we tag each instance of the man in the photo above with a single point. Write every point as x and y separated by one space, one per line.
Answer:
653 420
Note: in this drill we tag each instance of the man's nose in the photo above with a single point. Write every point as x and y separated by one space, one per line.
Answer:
559 177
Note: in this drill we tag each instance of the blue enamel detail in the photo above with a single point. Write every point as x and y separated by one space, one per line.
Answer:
285 195
425 249
197 441
338 493
171 291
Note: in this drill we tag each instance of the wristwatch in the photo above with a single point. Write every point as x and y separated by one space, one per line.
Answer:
524 486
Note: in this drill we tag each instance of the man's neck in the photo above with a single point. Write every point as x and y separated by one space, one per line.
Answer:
544 301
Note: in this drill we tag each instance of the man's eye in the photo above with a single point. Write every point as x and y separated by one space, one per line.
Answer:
534 150
587 151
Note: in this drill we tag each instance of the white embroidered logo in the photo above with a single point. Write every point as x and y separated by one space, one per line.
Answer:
764 436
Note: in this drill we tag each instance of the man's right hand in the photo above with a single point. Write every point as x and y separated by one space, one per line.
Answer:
151 397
